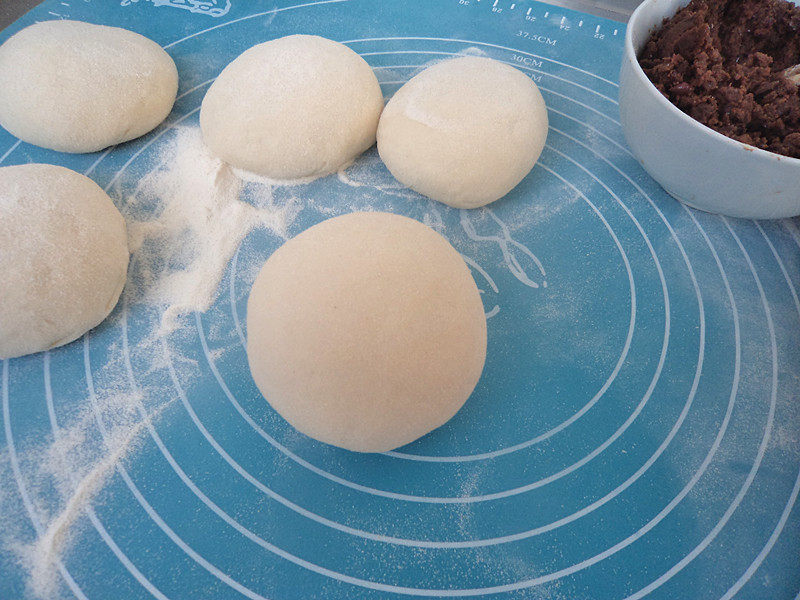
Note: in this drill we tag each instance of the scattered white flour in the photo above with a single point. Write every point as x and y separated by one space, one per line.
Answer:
249 177
369 172
181 253
186 218
81 487
63 474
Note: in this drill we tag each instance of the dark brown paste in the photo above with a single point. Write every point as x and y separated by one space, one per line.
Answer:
722 62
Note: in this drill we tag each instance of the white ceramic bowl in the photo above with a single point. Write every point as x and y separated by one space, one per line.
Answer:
692 162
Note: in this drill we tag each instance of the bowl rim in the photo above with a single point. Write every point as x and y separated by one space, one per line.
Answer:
630 54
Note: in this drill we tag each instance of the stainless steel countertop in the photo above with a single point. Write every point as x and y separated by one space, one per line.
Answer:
11 10
619 10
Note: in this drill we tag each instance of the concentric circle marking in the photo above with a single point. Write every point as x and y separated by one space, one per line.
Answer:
272 441
624 354
493 589
175 379
547 528
546 480
694 387
93 518
574 417
762 446
734 589
23 492
8 152
546 434
552 431
151 512
561 426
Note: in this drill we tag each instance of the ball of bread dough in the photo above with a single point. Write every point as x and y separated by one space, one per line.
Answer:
63 256
465 131
78 87
366 331
295 107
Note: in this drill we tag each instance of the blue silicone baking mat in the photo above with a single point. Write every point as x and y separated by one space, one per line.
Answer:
636 431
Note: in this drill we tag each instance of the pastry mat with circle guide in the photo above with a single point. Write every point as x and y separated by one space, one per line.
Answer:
636 432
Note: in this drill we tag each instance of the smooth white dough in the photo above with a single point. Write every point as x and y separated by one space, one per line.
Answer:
464 131
366 331
63 256
78 87
295 107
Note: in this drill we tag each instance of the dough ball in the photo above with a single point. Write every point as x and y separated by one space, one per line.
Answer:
464 131
366 331
78 87
296 107
63 256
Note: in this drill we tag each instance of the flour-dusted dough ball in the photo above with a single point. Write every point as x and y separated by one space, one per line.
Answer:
465 131
63 256
78 87
295 107
366 331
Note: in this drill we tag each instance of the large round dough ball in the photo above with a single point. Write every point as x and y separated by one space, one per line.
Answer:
63 256
464 131
78 87
295 107
366 331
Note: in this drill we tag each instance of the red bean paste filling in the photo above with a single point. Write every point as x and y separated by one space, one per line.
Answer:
722 62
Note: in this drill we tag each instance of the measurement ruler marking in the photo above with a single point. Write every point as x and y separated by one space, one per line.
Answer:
564 25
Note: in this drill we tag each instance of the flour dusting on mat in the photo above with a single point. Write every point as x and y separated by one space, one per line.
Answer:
63 474
183 250
85 479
